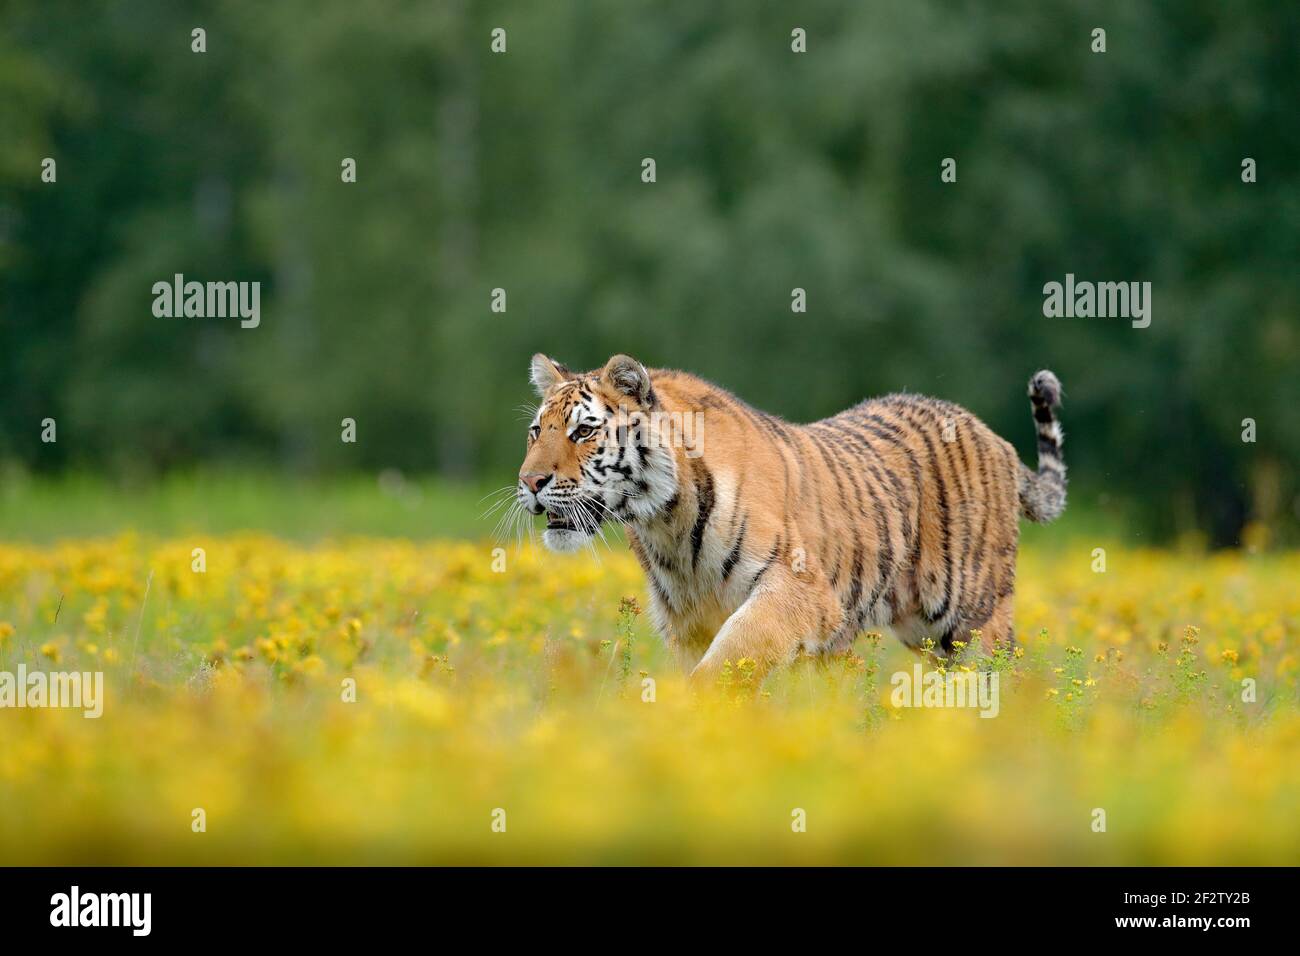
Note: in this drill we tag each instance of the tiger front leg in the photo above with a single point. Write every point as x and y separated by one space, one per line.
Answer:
781 614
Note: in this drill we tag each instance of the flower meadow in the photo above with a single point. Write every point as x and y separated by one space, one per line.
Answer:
379 700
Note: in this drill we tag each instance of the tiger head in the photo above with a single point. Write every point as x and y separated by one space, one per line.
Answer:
593 452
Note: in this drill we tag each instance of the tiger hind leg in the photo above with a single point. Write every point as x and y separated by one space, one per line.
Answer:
994 629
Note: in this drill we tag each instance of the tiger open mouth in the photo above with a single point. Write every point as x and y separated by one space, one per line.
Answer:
557 522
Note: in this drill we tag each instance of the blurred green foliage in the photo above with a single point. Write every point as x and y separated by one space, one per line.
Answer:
775 170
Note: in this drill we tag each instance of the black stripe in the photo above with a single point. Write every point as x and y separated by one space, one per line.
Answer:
664 561
730 562
771 558
660 592
704 495
868 416
855 587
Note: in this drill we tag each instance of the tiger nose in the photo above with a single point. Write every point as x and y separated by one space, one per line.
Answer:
535 482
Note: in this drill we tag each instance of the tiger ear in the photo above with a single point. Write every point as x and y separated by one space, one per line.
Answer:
628 376
545 374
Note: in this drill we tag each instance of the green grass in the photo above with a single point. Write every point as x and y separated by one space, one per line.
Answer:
47 509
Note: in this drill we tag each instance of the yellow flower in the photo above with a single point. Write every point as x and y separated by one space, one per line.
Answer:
312 666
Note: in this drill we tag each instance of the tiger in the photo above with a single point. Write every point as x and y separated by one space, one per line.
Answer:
762 540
